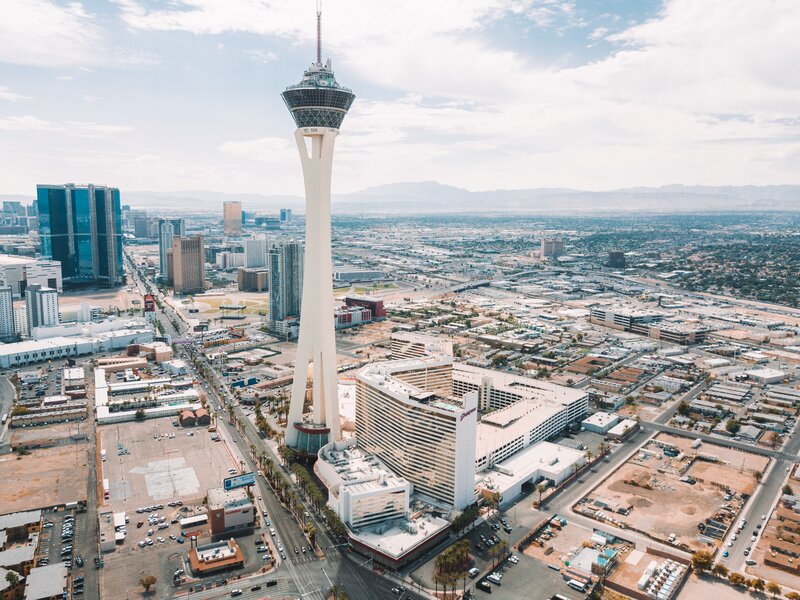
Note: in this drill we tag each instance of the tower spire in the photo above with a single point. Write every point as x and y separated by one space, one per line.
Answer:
319 32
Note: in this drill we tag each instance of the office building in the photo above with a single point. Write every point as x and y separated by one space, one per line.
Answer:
286 271
351 316
344 275
253 280
18 272
286 215
406 344
42 306
255 252
408 417
551 248
81 227
7 328
21 321
229 510
232 215
361 491
375 305
167 229
188 264
269 223
616 259
318 105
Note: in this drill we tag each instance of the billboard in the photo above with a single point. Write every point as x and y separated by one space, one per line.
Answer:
230 483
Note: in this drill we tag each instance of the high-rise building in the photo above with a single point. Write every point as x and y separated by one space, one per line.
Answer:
253 280
255 252
6 312
188 264
232 214
21 321
408 417
286 266
286 215
616 259
81 226
19 272
42 305
551 247
167 228
318 105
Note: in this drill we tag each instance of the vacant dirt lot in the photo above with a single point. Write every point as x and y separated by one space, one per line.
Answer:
736 479
43 478
736 459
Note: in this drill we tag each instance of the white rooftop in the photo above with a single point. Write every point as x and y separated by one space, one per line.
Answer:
46 582
397 541
507 424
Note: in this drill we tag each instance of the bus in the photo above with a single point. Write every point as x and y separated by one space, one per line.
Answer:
5 418
577 585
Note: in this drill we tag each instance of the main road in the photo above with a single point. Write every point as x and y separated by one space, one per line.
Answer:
312 577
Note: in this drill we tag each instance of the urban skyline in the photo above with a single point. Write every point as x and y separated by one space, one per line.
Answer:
514 95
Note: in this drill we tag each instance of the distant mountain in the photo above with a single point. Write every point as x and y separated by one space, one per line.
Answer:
432 197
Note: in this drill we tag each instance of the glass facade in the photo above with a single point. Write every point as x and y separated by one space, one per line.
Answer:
81 226
318 100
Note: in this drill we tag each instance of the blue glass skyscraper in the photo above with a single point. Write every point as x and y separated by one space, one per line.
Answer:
81 226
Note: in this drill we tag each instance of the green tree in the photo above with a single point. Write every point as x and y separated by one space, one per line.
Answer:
737 579
147 582
702 560
774 588
720 570
337 593
787 489
683 409
758 584
732 426
12 578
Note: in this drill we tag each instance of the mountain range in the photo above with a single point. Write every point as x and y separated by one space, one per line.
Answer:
432 197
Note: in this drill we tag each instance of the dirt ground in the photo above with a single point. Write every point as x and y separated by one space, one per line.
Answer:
43 478
22 436
105 299
737 459
736 479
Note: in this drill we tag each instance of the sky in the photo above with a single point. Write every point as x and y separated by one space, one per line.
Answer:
480 94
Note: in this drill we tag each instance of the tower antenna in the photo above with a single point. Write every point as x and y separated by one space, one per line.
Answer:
319 32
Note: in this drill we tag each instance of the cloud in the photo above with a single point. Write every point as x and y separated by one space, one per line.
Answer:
264 56
91 99
75 128
46 33
9 96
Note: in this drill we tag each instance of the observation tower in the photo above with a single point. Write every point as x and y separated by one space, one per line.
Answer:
318 105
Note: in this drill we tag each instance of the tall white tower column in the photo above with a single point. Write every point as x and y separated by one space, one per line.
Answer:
317 343
318 105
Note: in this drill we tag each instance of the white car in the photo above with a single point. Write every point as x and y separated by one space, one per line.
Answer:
160 539
142 543
753 539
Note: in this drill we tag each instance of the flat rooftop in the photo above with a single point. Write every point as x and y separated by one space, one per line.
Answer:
495 430
46 582
401 539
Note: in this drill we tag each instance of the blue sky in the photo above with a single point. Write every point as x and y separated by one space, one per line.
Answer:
590 94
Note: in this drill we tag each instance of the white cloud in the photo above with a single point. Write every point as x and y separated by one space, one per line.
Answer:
46 33
91 99
9 96
75 128
264 56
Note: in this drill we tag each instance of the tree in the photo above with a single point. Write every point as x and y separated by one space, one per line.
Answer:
758 584
702 560
758 475
737 579
147 582
139 414
792 596
732 426
337 593
683 408
787 489
720 570
774 588
12 578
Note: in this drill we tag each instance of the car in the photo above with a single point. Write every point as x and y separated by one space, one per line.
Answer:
734 537
473 572
142 544
763 517
160 540
261 549
396 590
150 532
148 541
78 592
758 525
47 525
730 544
310 548
78 580
79 560
296 551
180 541
255 588
746 552
753 539
750 562
236 592
173 536
303 549
266 557
267 523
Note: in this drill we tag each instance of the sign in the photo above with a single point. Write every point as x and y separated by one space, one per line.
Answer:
230 483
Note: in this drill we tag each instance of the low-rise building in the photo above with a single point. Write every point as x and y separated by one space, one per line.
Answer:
600 422
47 583
229 510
